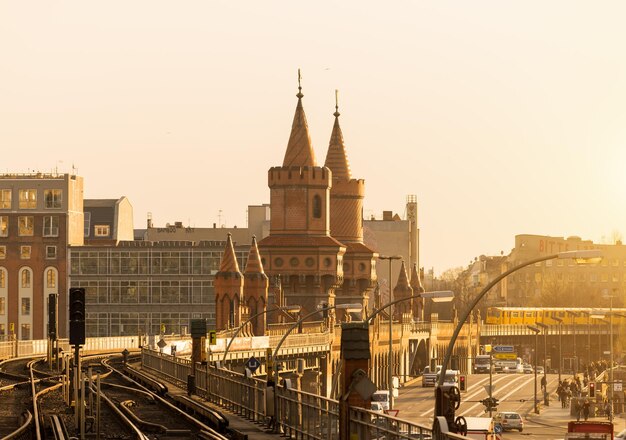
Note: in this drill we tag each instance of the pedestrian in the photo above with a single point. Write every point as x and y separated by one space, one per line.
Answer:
577 410
586 406
607 410
543 383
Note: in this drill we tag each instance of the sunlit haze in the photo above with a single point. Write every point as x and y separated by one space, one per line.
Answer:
503 118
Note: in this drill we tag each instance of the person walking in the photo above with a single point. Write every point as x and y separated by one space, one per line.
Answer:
586 406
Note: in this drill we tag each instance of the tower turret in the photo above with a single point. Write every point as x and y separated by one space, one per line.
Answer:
255 289
416 285
228 286
402 290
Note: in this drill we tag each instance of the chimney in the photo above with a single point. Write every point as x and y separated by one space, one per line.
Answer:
387 216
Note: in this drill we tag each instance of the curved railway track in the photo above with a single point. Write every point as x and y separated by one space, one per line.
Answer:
128 410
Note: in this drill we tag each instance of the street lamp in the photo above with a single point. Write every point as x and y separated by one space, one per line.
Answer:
546 396
436 296
578 256
574 315
612 386
290 309
536 330
560 321
390 357
320 309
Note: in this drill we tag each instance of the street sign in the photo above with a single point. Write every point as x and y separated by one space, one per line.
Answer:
392 412
503 349
252 364
617 386
212 337
505 356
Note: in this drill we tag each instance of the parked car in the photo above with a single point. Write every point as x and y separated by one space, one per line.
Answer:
509 421
528 369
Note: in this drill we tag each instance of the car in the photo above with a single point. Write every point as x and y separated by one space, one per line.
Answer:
509 421
540 369
528 369
621 435
513 369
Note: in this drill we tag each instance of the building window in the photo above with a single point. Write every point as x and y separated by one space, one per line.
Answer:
3 306
5 199
25 332
51 279
25 309
25 278
3 279
26 225
28 198
604 277
3 252
51 252
102 230
2 330
87 216
4 226
52 198
51 226
25 252
317 206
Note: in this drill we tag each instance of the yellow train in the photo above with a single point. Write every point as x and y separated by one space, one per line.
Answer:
547 315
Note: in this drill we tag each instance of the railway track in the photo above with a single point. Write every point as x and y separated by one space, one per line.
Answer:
128 410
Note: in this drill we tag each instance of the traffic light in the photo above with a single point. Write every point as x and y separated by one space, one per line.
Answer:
77 316
462 382
592 389
491 403
447 400
52 316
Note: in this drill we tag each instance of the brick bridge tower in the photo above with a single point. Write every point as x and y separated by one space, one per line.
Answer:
299 248
346 222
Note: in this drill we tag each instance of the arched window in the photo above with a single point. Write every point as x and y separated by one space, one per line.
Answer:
26 278
51 279
317 206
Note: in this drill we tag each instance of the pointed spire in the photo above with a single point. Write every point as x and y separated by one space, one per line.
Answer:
403 279
229 261
254 264
299 151
416 283
336 158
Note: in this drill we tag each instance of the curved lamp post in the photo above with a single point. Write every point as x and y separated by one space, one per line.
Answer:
579 256
436 296
352 307
294 309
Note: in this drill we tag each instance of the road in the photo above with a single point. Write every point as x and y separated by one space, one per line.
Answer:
514 391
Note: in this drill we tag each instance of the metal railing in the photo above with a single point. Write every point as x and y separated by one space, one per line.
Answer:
298 415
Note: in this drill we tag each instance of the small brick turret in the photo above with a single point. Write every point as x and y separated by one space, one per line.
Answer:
230 309
255 289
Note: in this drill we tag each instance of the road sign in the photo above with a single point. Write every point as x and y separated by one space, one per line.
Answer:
252 364
392 412
490 389
503 349
617 386
505 356
212 337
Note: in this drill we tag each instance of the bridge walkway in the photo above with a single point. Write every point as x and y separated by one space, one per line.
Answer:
244 426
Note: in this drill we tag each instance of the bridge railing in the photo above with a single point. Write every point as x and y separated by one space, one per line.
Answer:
299 415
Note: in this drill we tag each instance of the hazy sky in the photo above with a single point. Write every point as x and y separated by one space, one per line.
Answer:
502 117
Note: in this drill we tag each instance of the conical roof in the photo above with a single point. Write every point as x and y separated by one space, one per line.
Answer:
403 279
416 283
336 158
254 265
229 261
299 151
